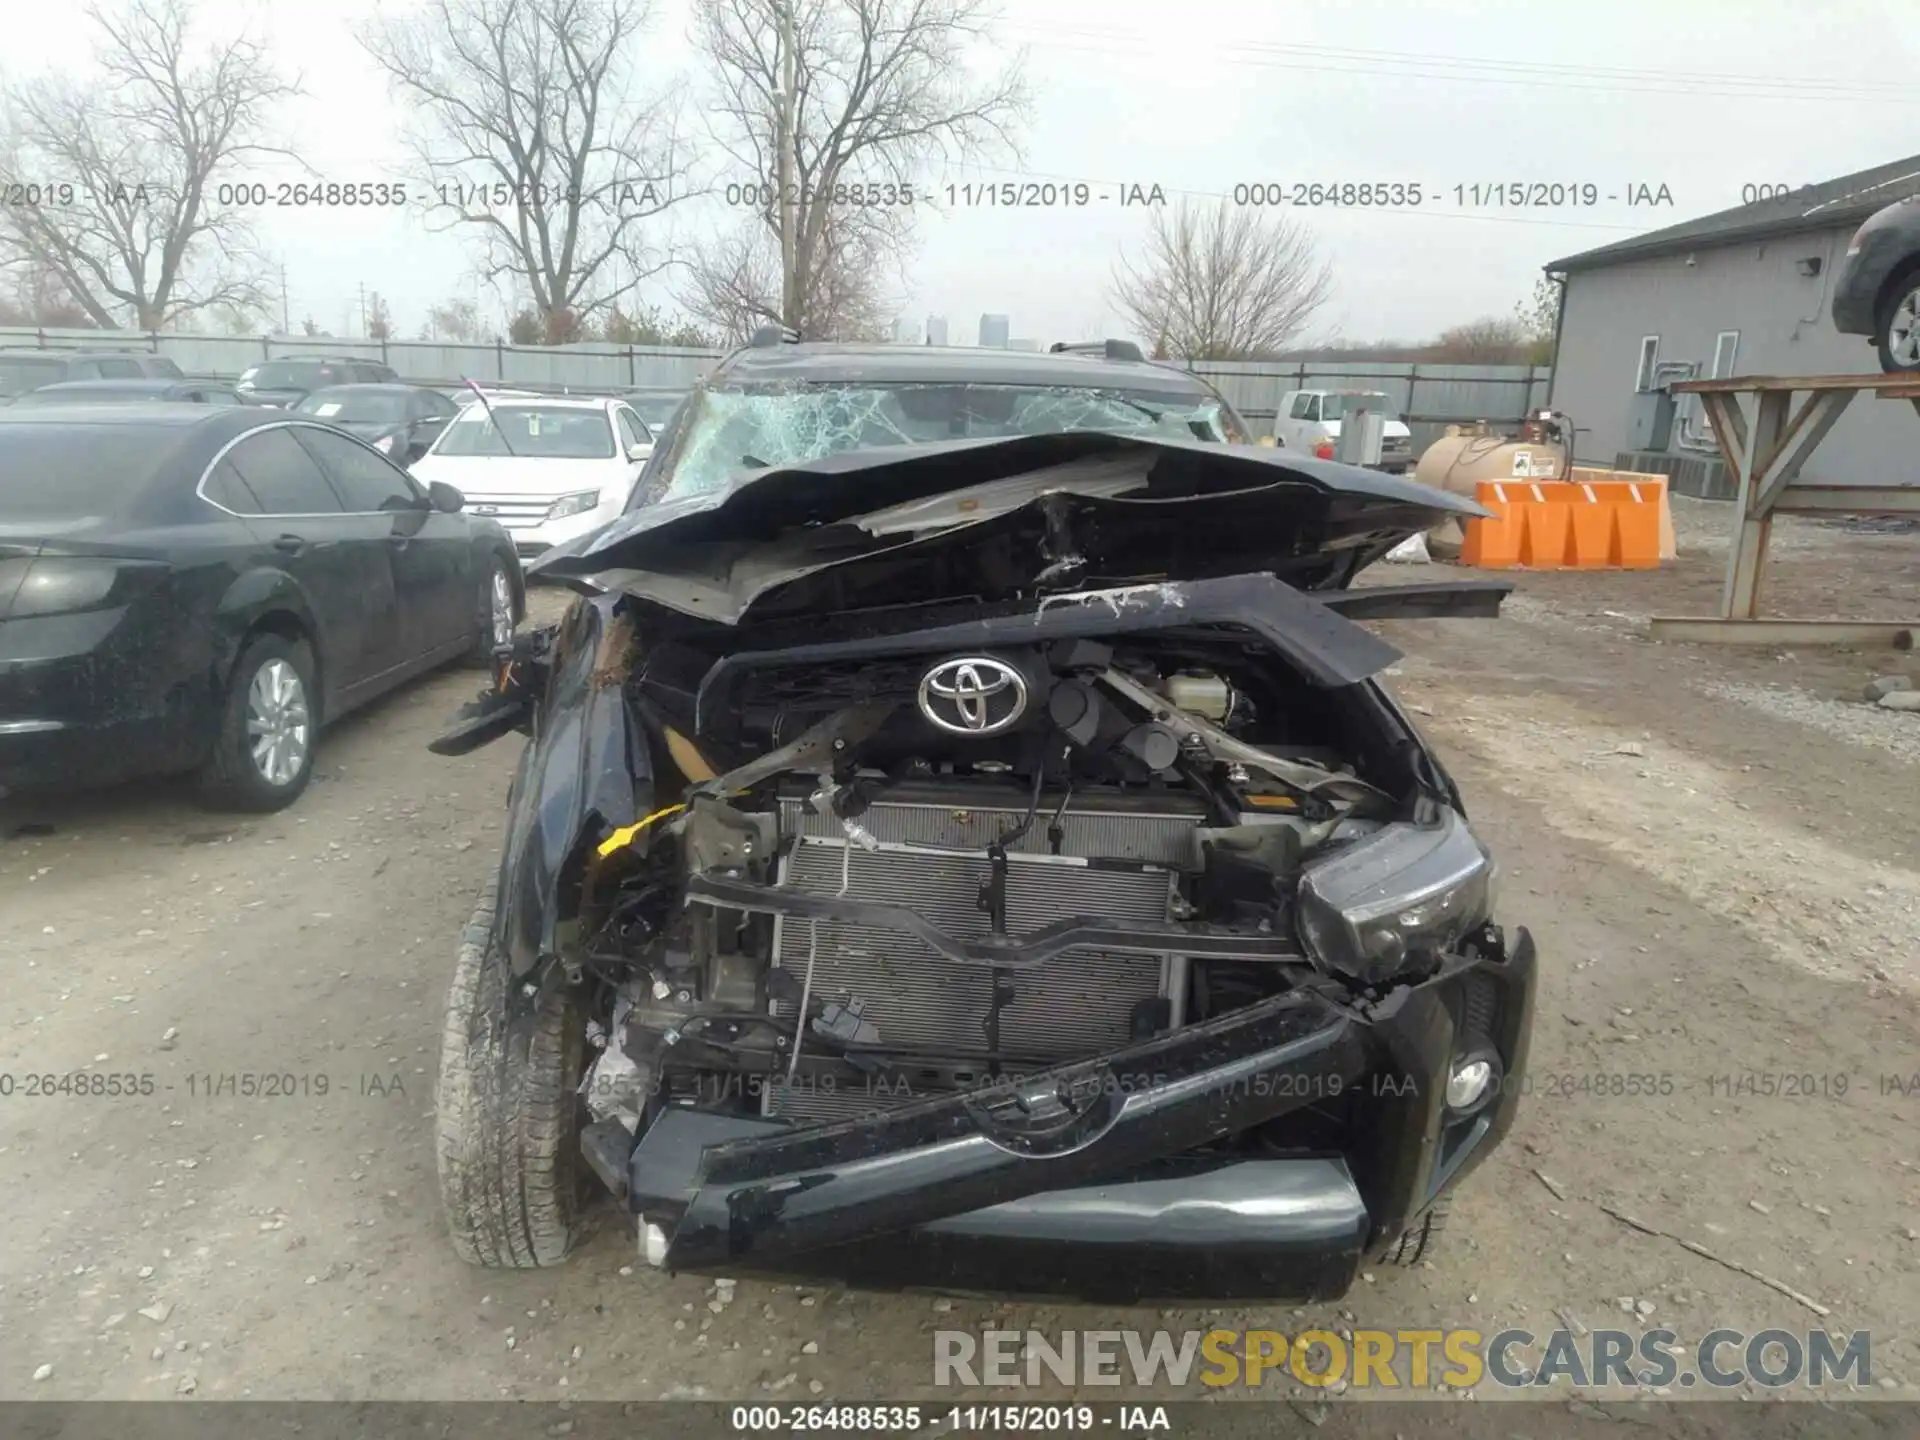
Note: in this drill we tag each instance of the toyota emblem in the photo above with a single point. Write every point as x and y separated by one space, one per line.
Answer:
974 695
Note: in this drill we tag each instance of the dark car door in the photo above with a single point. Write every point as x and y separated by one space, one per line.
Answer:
430 552
339 560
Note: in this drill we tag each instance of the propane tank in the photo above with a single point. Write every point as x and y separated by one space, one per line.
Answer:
1468 454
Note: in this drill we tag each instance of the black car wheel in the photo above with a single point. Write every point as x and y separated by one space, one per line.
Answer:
262 756
1896 331
507 1114
499 612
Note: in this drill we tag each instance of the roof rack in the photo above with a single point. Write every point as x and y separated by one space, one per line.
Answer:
1109 349
768 336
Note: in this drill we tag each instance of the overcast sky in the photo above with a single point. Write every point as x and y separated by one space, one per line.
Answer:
1701 97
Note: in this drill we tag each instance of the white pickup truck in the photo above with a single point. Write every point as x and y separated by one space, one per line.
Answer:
1309 421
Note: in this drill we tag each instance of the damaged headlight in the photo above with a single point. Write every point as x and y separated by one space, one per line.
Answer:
1395 899
577 503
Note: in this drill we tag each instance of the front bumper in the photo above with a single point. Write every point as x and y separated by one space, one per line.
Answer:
535 535
1124 1195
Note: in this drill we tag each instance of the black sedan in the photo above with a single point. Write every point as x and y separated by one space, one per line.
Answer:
118 392
400 421
186 588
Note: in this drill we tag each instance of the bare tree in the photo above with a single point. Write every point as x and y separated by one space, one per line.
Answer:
379 317
1221 282
1490 340
457 320
647 326
735 283
830 112
1539 317
131 225
236 319
532 132
38 299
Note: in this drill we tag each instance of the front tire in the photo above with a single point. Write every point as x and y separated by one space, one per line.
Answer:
499 613
1896 328
507 1114
262 755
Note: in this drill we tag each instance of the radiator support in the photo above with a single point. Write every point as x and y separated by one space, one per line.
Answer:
932 857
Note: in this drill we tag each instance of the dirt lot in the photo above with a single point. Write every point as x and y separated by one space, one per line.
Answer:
1719 853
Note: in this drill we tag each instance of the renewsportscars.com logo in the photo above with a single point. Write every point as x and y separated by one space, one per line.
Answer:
1393 1359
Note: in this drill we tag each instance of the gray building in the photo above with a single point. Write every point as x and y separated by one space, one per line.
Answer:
936 330
1741 292
994 330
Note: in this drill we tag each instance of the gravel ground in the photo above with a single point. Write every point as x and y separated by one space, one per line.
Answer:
1722 882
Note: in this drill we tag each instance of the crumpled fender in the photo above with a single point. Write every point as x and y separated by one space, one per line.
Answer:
586 771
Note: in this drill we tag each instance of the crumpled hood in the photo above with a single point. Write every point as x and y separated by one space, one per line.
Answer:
1126 500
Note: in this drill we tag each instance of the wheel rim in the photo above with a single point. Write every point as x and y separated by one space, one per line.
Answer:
500 608
278 728
1903 331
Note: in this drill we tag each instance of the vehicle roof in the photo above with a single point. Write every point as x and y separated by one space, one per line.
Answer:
215 424
557 402
131 382
823 363
326 359
375 387
22 351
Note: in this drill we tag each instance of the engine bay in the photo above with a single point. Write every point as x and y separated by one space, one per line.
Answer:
945 871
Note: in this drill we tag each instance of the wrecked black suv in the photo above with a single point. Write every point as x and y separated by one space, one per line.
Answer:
963 843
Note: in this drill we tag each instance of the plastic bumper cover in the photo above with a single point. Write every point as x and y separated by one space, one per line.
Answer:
1102 1197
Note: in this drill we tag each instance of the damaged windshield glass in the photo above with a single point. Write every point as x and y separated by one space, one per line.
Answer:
734 430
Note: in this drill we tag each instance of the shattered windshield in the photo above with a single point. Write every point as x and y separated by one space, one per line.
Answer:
752 429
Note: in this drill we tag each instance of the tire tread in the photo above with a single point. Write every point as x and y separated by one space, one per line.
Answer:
505 1132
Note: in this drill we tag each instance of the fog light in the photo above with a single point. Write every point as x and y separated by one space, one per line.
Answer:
653 1244
1470 1083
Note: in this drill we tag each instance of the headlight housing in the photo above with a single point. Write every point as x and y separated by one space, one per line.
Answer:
1396 899
577 503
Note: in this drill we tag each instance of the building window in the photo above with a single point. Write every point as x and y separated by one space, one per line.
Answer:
1649 355
1725 345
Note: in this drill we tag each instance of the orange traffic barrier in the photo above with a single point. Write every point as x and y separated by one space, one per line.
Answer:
1493 544
1650 484
1565 525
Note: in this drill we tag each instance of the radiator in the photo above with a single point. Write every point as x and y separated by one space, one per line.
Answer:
1080 1003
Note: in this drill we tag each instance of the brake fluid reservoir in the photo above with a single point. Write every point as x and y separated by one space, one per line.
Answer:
1199 694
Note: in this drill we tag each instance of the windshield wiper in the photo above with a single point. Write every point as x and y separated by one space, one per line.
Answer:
753 462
